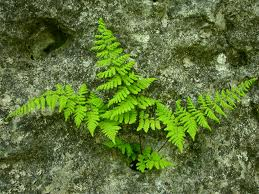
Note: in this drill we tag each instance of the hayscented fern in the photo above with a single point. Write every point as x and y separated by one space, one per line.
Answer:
125 105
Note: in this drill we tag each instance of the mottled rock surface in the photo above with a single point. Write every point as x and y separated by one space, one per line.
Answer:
191 46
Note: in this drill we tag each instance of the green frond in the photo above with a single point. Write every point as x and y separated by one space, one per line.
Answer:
103 62
52 101
110 129
221 101
80 114
130 78
98 47
141 120
116 53
42 103
125 106
151 159
62 103
146 122
228 98
94 100
244 86
121 60
139 85
83 90
185 119
197 114
144 83
113 83
69 109
232 95
144 102
175 135
113 46
119 96
214 106
103 54
59 90
125 68
69 91
108 73
205 104
92 119
130 150
164 114
127 117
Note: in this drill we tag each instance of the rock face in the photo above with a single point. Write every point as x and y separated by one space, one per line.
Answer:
191 46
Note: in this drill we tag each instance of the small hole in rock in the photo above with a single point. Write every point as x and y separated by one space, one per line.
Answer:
133 165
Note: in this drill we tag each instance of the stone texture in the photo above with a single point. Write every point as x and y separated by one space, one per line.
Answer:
191 46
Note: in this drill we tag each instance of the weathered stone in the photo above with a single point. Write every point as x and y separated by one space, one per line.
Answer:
191 46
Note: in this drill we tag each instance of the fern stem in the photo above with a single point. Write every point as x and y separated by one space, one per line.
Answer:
140 143
162 145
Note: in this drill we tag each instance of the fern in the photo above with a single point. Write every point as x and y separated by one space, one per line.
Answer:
93 115
124 105
130 150
188 118
146 122
119 78
110 128
151 159
176 133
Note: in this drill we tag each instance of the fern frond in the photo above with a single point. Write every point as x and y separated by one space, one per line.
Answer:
127 118
245 86
164 114
62 102
146 123
95 100
69 109
52 101
144 83
113 83
79 115
113 46
221 101
211 103
130 150
144 102
125 106
92 119
107 74
197 114
121 60
151 159
125 68
205 107
103 62
141 84
185 119
110 129
130 78
176 134
119 96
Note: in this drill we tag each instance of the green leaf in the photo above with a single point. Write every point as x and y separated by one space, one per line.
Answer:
110 129
146 125
80 114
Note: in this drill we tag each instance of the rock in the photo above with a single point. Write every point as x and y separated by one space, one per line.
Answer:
191 47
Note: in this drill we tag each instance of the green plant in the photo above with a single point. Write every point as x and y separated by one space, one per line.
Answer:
126 107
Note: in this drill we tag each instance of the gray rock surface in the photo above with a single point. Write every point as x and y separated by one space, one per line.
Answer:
191 46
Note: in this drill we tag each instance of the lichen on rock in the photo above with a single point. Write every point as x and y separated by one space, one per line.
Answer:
191 47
